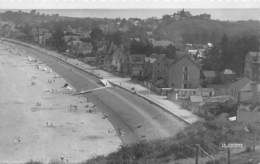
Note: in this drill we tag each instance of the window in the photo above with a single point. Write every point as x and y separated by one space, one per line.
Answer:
185 73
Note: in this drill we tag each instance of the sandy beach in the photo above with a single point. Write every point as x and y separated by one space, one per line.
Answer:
42 120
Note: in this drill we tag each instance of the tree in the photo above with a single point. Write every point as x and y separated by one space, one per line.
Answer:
115 37
224 48
27 29
140 47
166 18
213 60
57 39
96 35
33 12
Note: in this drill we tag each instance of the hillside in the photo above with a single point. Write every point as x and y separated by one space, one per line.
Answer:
194 30
186 29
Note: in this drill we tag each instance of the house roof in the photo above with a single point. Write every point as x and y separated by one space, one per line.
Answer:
248 87
241 83
228 72
209 74
183 57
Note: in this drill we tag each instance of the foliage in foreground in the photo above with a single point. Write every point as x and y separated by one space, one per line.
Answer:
209 135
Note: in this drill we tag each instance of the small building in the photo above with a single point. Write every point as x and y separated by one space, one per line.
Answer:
236 87
252 61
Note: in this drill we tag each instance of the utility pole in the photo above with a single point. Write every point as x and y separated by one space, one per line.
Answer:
197 154
228 156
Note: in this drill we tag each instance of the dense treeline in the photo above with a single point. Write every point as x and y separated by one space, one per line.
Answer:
230 53
203 31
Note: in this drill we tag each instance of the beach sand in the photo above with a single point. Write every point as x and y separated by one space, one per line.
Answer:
40 120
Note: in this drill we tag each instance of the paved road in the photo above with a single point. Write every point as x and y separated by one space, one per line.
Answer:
135 117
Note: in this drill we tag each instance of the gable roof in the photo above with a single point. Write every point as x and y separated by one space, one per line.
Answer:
240 84
248 87
185 57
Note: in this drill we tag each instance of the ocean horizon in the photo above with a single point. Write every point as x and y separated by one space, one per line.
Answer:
218 14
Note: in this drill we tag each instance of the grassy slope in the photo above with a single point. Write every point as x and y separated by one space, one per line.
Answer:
208 134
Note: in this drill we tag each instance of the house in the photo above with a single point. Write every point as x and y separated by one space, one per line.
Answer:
179 72
193 52
6 28
41 35
252 61
181 15
161 43
119 59
227 75
44 35
148 66
71 37
184 72
249 103
209 76
236 87
249 93
248 113
85 48
160 70
136 65
78 47
101 52
135 21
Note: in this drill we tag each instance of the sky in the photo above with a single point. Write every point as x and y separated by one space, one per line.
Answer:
219 9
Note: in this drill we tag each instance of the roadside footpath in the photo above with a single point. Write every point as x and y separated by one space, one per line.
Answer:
124 83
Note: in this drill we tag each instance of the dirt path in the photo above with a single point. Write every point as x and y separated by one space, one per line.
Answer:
40 120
